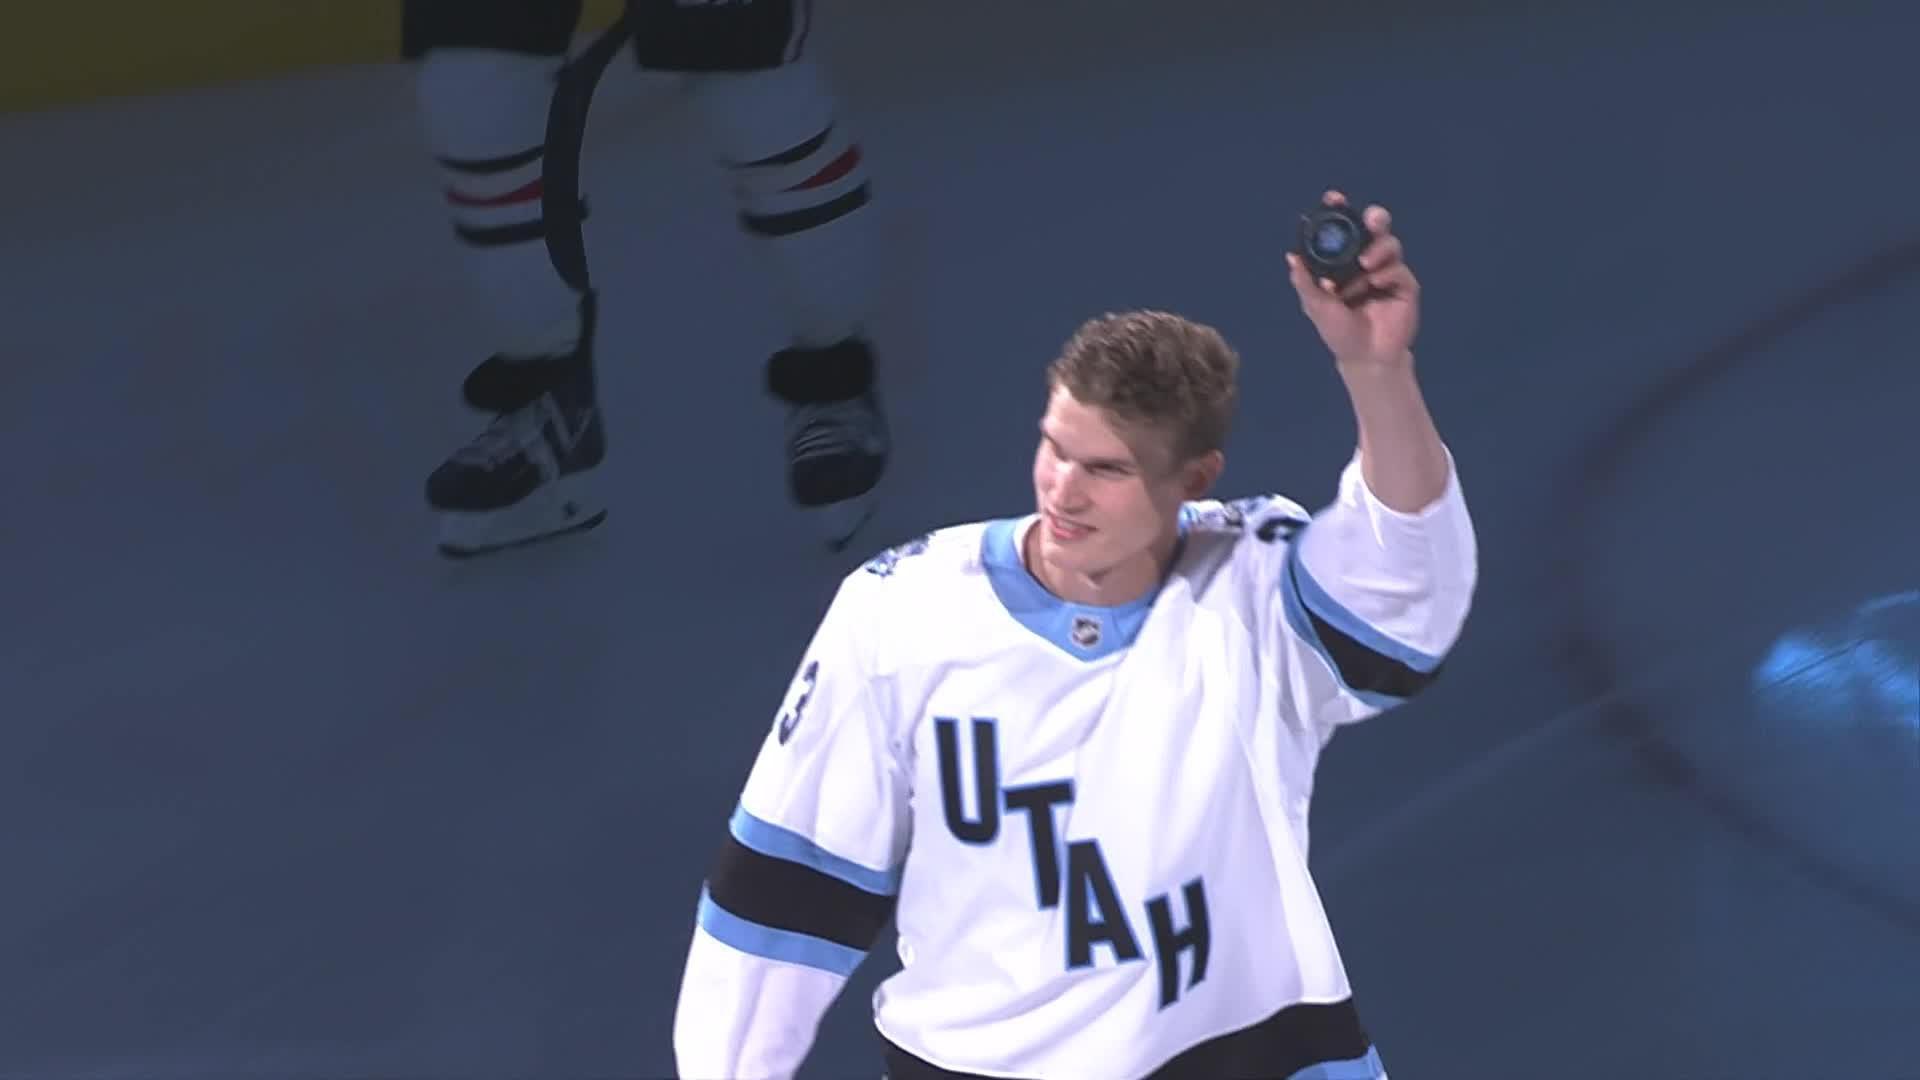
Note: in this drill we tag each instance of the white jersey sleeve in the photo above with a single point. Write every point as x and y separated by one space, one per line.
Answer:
1371 600
810 866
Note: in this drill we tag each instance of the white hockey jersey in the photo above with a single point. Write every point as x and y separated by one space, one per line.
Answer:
1089 824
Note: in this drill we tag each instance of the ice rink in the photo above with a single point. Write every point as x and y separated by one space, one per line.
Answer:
283 795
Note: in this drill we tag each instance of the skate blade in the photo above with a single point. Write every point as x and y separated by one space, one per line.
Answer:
837 524
560 509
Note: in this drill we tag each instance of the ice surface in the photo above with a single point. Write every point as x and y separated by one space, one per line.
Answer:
284 795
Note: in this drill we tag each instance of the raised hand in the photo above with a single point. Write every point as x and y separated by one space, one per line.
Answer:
1371 322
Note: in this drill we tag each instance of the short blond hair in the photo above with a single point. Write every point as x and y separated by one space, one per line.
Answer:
1154 369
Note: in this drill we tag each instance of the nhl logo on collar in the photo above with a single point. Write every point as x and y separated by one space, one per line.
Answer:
1085 631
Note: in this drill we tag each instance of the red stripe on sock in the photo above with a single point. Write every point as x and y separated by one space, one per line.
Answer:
528 192
833 170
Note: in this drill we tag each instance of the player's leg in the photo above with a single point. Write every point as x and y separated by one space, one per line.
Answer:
801 190
486 79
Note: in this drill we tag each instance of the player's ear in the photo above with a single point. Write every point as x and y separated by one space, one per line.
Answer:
1201 473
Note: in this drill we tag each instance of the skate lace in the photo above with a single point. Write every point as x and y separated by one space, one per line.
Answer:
821 430
509 434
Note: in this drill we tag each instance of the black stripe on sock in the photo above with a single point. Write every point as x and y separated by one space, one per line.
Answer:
520 233
796 221
793 154
785 895
502 235
485 166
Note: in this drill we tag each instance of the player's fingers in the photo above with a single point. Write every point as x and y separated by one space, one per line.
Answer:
1334 198
1395 280
1311 292
1378 219
1297 274
1381 252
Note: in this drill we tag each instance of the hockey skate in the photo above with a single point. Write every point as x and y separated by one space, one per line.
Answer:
530 475
837 437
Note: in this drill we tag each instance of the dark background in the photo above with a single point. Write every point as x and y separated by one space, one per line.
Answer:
282 795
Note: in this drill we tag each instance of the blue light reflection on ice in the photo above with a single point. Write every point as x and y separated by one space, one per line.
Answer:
1863 671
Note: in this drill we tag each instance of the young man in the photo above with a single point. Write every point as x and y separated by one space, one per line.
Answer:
1071 754
488 74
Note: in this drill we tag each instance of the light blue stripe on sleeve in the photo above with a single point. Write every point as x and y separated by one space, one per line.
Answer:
782 843
768 943
1321 603
1295 612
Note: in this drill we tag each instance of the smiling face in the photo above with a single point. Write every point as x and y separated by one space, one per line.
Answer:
1138 406
1109 497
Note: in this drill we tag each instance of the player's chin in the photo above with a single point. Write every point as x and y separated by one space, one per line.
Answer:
1078 555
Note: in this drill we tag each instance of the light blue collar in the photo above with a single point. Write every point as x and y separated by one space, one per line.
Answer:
1082 631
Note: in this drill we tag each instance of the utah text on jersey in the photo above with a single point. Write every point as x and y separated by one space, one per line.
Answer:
1106 807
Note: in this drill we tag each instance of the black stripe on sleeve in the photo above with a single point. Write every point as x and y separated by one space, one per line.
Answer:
786 895
1361 667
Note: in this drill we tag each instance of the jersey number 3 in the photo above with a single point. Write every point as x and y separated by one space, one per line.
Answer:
797 701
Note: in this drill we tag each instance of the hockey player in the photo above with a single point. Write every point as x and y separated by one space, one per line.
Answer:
1070 754
507 144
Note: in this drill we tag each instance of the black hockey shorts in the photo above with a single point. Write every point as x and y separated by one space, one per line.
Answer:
668 35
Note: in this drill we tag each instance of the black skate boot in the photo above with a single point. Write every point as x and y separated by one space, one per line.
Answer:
837 438
527 477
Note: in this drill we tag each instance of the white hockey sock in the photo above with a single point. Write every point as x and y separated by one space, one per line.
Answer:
484 114
800 183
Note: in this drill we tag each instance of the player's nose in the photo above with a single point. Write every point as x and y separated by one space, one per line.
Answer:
1067 489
